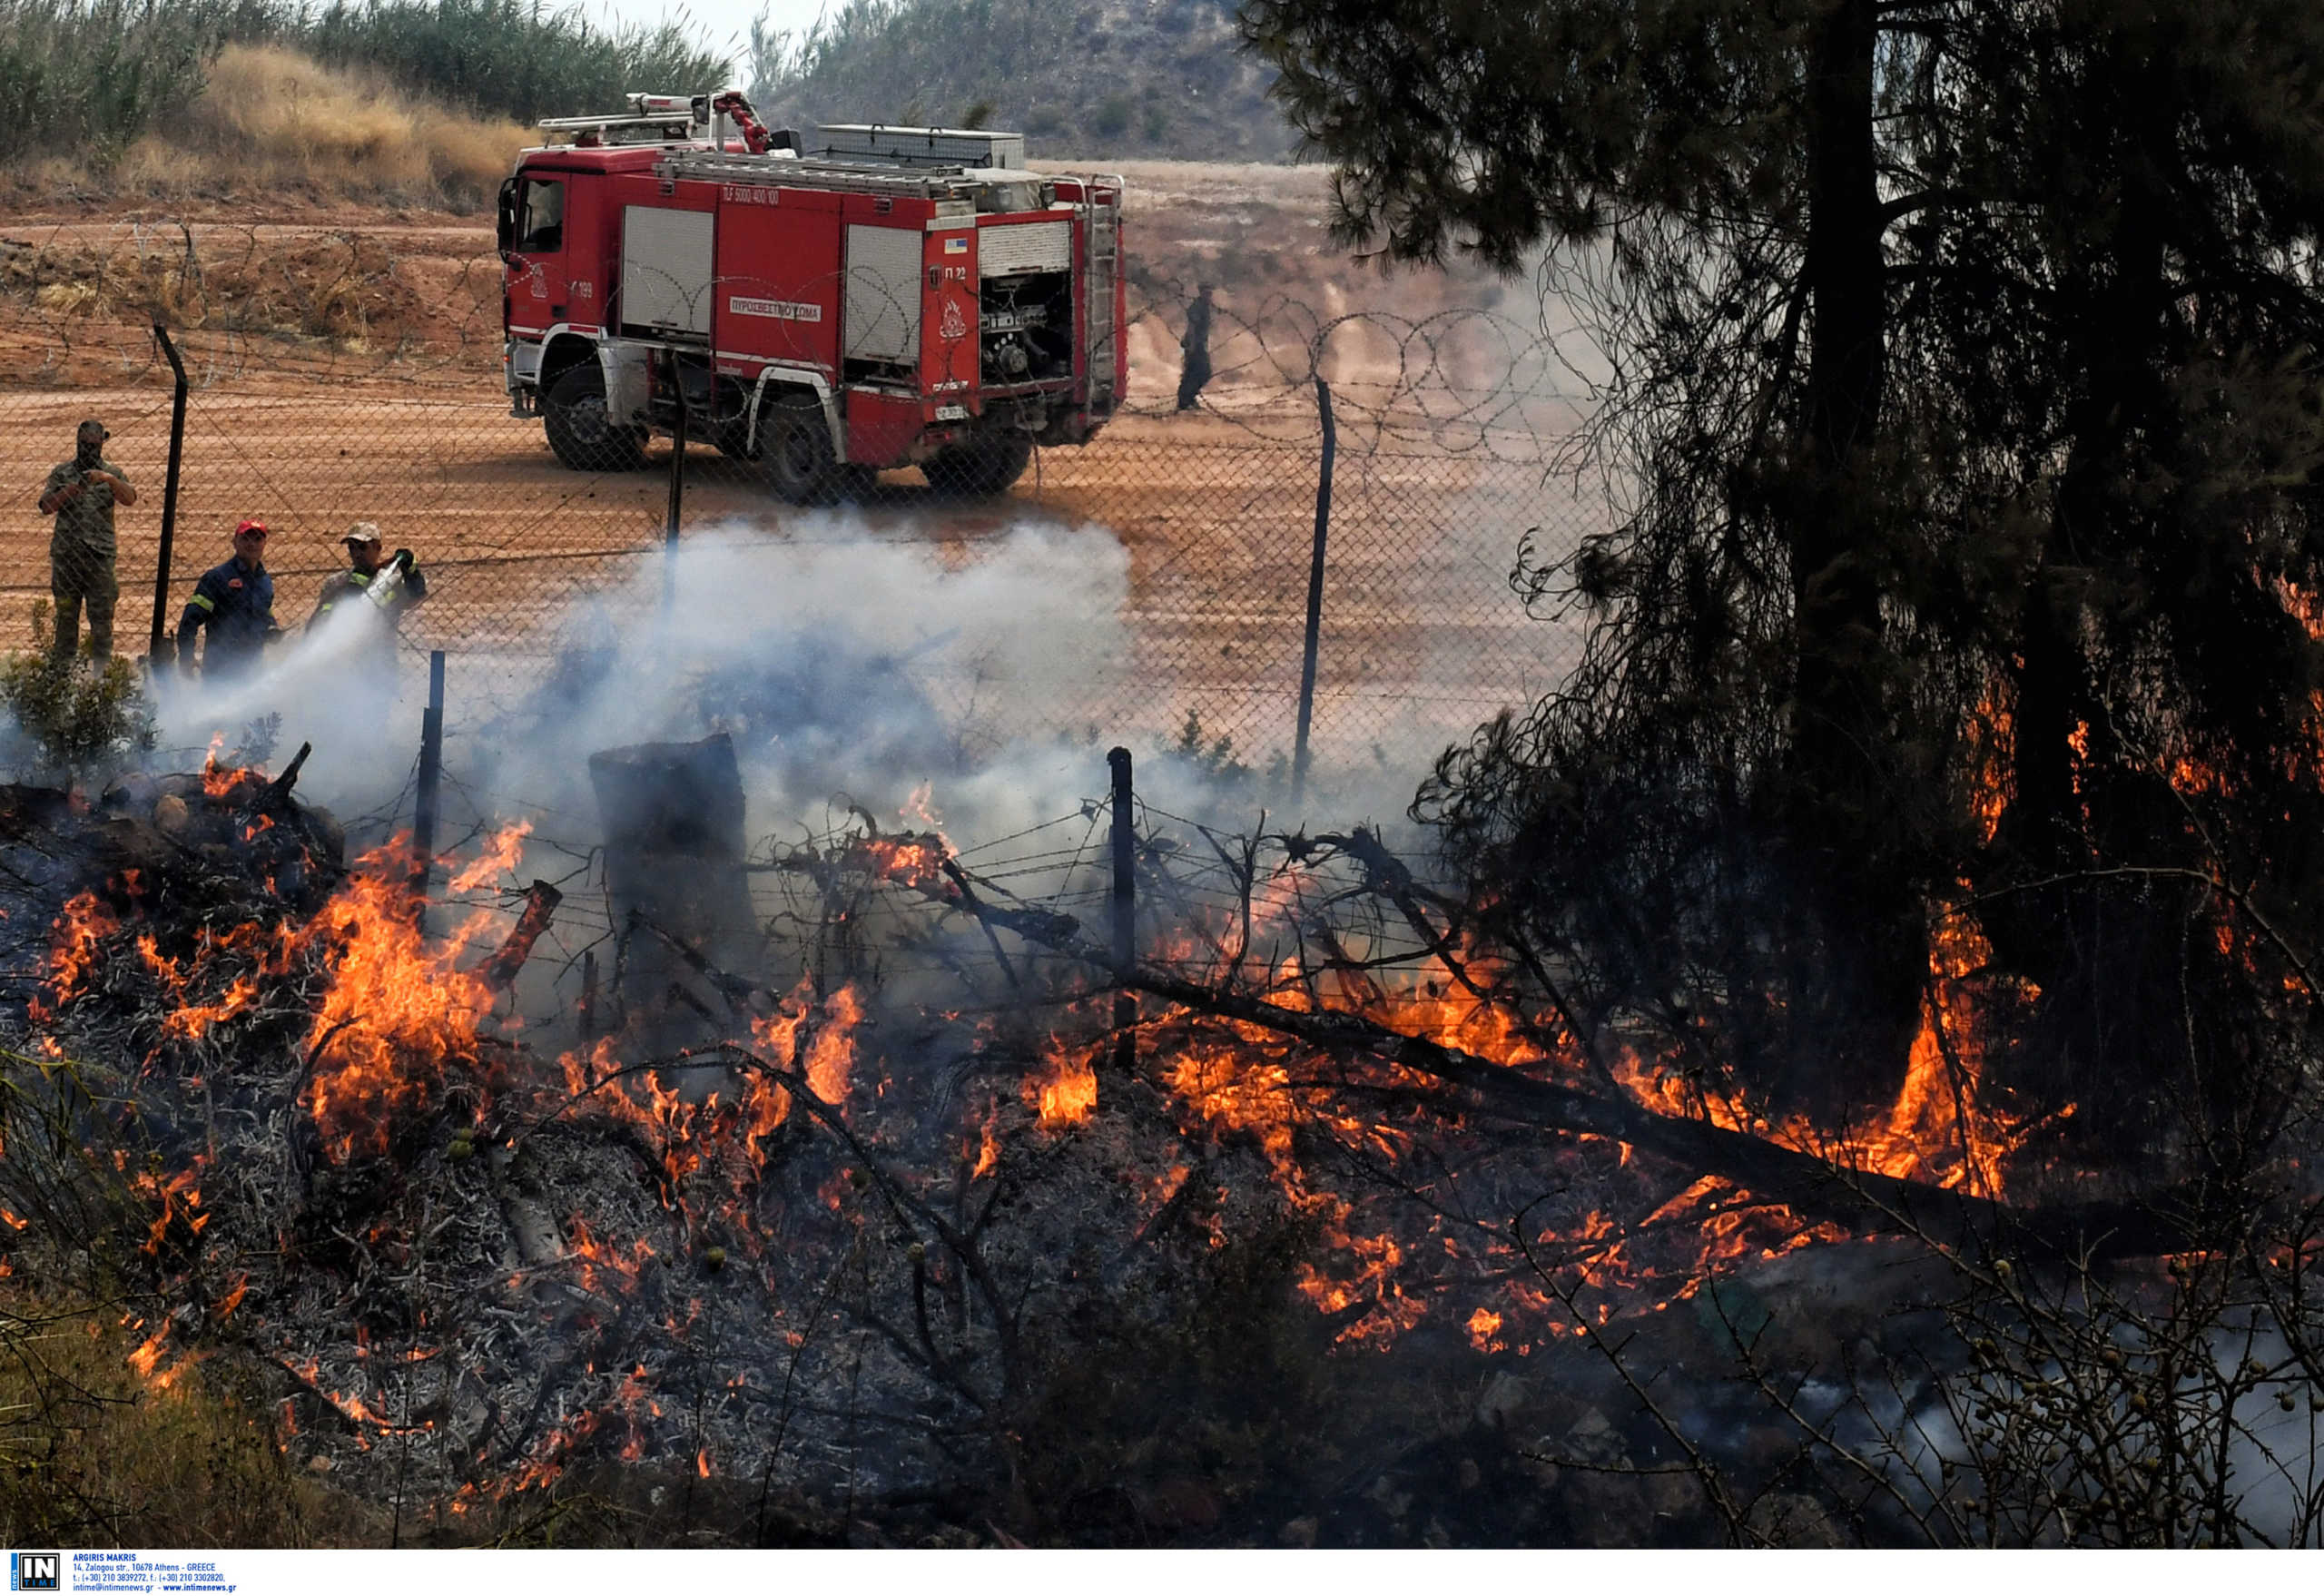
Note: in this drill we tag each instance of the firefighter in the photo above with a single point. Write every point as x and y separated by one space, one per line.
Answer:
81 494
1195 346
235 602
386 600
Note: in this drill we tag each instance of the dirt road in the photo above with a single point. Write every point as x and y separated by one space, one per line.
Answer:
403 423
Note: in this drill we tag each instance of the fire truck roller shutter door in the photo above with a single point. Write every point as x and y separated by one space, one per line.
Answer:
665 270
883 293
1012 247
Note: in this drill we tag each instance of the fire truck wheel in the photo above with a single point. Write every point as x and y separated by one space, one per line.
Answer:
579 431
736 442
982 467
796 445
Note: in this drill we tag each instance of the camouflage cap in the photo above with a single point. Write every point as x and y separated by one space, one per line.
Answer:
363 532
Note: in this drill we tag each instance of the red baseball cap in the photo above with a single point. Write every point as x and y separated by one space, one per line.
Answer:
252 525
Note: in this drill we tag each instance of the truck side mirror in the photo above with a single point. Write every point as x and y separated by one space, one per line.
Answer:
505 232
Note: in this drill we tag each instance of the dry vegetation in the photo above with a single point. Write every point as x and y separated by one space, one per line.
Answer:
92 1453
272 116
347 287
275 127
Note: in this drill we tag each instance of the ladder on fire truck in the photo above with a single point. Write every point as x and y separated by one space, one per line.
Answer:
939 183
1101 199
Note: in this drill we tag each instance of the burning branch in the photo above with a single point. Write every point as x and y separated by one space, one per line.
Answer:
540 906
1818 1187
1390 876
1860 1201
278 791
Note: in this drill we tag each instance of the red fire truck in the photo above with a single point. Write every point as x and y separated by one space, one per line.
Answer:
831 305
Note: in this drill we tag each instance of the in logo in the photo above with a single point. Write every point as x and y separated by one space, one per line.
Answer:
954 326
36 1571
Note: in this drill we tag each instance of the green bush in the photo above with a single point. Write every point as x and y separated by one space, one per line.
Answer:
92 77
1111 119
74 715
93 1455
509 56
865 58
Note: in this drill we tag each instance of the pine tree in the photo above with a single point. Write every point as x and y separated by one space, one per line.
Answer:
1965 392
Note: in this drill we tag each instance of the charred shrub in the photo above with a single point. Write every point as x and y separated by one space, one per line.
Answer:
1173 1411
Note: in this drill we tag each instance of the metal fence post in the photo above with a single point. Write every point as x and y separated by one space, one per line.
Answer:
169 493
431 774
1125 907
1315 592
677 502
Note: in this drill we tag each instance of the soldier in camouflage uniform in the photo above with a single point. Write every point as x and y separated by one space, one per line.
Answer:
81 494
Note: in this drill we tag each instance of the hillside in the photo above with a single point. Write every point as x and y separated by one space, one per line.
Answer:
1086 79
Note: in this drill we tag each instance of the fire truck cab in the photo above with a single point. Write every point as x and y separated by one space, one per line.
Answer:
831 306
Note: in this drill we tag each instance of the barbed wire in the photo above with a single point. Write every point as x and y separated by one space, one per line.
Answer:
338 375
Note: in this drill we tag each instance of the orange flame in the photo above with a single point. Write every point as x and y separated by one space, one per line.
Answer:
1069 1093
75 942
1484 1325
394 1013
219 780
499 858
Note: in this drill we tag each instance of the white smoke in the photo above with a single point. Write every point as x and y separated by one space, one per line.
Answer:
328 686
847 663
927 684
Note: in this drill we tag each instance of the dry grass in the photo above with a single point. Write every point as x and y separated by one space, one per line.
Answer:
93 1454
272 119
347 287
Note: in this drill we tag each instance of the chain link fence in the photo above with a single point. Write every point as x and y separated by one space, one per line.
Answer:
336 377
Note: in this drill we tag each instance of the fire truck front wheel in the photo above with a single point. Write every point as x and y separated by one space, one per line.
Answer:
580 432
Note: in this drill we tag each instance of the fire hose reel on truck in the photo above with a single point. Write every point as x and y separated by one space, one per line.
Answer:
860 299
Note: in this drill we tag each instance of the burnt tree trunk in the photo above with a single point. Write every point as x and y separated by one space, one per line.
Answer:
675 851
1865 947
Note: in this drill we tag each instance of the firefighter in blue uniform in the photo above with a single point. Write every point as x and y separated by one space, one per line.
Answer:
235 604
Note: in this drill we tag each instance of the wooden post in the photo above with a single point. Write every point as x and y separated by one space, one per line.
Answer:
432 772
169 495
587 1018
1315 592
1125 907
